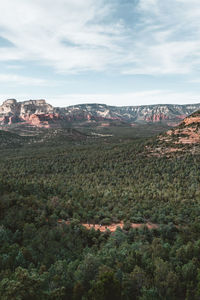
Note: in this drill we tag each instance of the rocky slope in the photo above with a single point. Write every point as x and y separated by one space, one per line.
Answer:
38 113
184 137
188 132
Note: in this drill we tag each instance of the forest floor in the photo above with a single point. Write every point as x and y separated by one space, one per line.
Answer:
113 226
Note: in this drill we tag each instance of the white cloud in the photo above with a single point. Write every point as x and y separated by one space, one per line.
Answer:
149 6
85 35
13 79
65 34
126 99
165 58
14 67
196 80
169 38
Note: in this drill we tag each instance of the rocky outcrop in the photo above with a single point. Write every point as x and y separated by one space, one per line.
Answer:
181 139
11 107
192 120
33 112
41 114
42 120
157 118
188 132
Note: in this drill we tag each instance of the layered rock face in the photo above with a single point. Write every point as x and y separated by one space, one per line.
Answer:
33 112
41 114
11 107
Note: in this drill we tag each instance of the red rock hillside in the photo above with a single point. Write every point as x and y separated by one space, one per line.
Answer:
183 138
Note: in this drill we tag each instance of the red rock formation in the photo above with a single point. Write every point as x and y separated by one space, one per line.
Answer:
39 113
157 118
181 117
42 120
191 120
188 131
88 117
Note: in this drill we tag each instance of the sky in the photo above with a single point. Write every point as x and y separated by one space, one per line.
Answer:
117 52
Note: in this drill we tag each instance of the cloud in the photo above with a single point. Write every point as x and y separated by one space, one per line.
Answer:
13 79
66 34
196 80
165 58
73 36
168 38
126 99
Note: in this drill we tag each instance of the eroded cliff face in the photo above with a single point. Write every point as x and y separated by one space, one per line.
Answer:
11 107
168 114
42 120
33 112
41 114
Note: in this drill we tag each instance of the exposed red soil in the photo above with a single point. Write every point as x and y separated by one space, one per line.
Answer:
191 120
105 124
113 226
191 135
188 133
160 151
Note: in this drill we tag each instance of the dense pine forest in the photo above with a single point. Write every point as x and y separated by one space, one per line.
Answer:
98 181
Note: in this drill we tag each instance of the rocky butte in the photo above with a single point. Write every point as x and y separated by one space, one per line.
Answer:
41 114
33 112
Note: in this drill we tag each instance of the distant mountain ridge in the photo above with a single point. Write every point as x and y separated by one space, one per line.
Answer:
39 113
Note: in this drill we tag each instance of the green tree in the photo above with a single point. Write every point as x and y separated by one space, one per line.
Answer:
22 286
107 287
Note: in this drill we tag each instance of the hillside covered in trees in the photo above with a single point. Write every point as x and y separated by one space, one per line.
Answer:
98 181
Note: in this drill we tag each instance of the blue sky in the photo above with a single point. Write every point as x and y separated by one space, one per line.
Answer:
118 52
